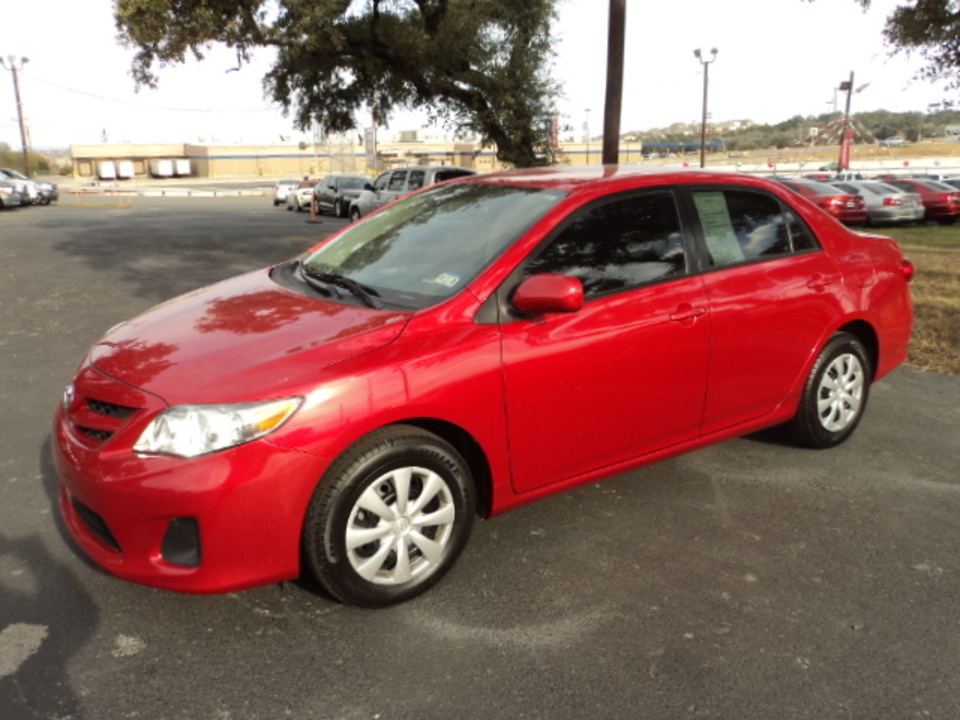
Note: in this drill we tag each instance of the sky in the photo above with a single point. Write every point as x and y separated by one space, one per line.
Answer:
776 59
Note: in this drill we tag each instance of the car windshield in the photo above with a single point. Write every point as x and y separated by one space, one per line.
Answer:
428 246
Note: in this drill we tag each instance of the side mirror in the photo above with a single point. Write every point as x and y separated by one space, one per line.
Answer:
549 293
368 186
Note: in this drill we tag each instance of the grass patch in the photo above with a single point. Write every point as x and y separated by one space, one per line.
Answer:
935 252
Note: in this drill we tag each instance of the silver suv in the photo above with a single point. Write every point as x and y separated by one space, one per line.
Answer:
395 183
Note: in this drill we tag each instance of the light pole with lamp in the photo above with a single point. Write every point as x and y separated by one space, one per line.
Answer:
14 68
586 132
706 80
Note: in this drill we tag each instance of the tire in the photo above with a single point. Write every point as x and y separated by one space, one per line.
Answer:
338 209
354 214
835 395
366 539
289 207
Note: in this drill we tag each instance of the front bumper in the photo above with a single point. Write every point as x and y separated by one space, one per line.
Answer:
222 522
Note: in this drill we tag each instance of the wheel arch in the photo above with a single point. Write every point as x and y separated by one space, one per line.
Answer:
867 335
469 449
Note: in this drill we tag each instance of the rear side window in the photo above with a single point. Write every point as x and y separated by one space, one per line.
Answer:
618 245
742 226
442 175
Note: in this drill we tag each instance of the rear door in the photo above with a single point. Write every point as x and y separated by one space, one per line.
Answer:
774 295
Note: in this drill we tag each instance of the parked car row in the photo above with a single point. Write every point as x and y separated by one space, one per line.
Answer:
17 189
355 196
886 199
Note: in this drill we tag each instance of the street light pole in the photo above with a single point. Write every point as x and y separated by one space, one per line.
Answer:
13 68
586 132
706 82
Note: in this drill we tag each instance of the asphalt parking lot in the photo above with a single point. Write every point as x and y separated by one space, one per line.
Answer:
747 580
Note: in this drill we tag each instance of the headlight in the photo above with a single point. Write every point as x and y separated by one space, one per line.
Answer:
192 430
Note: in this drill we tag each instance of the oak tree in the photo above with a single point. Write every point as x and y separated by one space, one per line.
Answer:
930 28
477 66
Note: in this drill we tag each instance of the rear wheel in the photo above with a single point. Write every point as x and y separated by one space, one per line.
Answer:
835 395
338 209
389 518
354 214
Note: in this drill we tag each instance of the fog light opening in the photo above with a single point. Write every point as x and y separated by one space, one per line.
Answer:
181 542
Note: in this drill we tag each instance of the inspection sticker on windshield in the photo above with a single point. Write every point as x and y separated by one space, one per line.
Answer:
447 279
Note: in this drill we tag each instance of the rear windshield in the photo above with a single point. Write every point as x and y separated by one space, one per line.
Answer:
353 183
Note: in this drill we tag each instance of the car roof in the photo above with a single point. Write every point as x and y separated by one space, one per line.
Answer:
588 177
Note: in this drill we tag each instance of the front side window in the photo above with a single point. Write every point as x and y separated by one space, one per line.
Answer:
618 245
397 180
742 226
381 182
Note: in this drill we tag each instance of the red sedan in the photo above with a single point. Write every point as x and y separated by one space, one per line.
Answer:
941 201
848 209
464 351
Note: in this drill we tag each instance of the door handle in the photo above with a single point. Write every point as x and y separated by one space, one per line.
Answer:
686 311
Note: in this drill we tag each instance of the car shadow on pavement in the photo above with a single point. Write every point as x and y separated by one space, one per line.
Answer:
47 618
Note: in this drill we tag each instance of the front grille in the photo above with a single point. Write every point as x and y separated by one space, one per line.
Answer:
113 410
96 525
98 419
98 435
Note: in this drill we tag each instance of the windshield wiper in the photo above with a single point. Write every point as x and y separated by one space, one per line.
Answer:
314 282
364 292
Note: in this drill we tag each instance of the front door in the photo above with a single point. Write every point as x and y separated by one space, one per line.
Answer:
625 375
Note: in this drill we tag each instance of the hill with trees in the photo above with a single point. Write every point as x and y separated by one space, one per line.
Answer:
824 129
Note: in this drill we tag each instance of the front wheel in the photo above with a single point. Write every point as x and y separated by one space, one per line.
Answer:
835 394
389 518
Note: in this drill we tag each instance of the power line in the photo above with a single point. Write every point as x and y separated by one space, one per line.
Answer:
148 105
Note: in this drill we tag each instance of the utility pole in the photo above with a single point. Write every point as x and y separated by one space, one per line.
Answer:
612 108
13 68
706 81
846 136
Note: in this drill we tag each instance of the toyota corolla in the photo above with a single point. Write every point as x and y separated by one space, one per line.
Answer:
464 351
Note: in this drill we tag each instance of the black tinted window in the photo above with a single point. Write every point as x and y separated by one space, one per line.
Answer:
618 245
741 225
442 175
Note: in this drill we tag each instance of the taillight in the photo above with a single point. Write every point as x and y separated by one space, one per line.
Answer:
892 201
906 269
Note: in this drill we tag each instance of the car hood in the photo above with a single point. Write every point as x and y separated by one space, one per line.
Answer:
242 339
